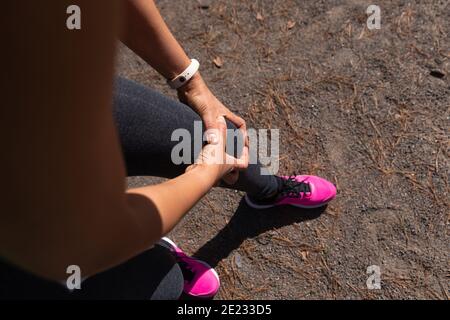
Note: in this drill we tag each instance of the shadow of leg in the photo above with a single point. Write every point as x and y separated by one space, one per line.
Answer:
249 223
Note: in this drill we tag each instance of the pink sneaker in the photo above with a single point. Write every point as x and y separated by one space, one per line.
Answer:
200 280
299 191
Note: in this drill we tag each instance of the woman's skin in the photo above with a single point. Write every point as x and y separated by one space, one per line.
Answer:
64 196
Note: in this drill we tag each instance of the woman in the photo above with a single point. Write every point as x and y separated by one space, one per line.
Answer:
65 202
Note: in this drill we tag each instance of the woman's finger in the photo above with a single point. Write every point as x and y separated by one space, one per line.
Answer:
240 163
222 126
240 124
210 122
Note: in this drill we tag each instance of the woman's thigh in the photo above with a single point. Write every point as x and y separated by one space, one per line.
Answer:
146 120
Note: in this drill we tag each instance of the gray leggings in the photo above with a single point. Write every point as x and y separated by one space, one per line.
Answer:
145 120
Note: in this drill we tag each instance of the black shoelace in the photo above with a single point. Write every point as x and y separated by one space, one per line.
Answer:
294 189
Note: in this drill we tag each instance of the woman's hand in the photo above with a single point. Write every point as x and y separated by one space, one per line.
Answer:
197 95
213 155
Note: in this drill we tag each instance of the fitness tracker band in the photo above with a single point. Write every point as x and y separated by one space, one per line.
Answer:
185 76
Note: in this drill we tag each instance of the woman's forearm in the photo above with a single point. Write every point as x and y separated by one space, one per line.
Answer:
149 214
146 33
172 199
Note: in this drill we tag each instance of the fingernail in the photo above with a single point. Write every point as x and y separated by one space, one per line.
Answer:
221 119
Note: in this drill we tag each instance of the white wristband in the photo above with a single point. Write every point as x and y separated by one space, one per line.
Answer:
185 76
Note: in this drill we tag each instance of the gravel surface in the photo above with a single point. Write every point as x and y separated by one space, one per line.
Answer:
369 110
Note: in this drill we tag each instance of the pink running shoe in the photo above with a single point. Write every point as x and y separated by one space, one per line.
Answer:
200 280
299 191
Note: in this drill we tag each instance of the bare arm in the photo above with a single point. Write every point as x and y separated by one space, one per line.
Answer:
146 33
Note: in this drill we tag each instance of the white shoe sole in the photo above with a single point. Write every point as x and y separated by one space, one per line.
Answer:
267 206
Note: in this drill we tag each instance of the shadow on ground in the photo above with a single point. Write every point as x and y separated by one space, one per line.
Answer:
250 223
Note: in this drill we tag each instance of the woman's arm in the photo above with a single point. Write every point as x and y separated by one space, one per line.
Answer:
174 198
146 33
